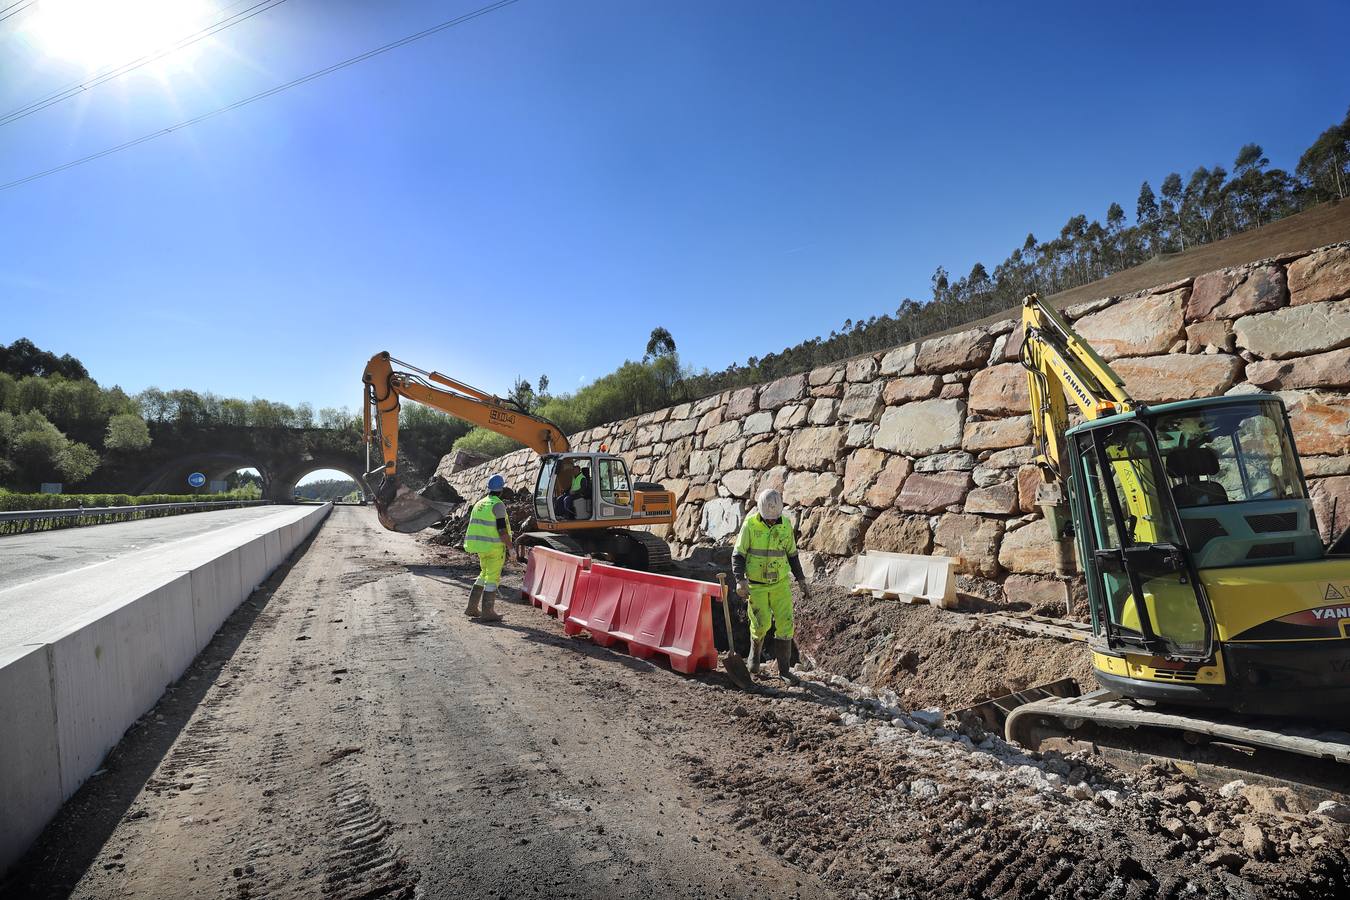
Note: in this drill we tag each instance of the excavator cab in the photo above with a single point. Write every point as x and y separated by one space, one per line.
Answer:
1207 578
1132 545
579 488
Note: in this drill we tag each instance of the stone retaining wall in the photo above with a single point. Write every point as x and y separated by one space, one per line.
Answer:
926 448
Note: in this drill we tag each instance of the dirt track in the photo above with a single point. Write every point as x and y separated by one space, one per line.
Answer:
350 734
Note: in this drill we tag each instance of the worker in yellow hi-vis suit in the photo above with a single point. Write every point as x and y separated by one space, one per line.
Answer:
488 536
766 551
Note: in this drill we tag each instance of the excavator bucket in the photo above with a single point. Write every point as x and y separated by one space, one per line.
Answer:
409 511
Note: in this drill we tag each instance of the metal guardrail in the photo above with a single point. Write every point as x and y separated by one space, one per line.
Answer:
26 520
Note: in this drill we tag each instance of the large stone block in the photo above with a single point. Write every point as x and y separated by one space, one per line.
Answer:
676 429
815 448
1140 326
823 411
1000 390
703 462
1296 331
739 482
900 361
893 532
951 461
1210 337
972 541
761 456
996 434
710 419
913 387
861 472
721 518
811 488
861 402
1321 421
825 375
1322 466
1324 370
997 500
964 350
918 429
1324 275
742 403
1229 294
887 486
839 532
1156 379
1030 550
933 493
1331 504
759 423
1012 348
790 416
782 392
1028 480
864 369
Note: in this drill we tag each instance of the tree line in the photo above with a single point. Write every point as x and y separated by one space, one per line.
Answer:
57 424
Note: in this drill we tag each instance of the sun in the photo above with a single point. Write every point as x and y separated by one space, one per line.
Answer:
99 33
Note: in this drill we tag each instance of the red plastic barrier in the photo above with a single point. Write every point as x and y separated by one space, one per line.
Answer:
651 613
550 579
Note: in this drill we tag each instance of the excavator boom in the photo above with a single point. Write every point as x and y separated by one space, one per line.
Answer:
401 509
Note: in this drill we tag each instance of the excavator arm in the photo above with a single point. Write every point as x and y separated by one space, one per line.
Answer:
399 508
1061 367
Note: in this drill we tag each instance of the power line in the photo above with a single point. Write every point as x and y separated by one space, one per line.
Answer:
77 87
15 8
369 54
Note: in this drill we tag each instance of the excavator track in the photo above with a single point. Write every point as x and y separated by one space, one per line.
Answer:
1213 747
620 546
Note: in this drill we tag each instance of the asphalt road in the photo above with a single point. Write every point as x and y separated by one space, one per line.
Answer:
29 557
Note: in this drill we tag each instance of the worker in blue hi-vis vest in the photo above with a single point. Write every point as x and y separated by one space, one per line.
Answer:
488 536
765 552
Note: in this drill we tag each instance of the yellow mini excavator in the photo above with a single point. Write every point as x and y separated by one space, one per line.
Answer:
1220 623
584 503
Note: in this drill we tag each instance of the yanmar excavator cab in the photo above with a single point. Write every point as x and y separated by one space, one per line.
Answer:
602 523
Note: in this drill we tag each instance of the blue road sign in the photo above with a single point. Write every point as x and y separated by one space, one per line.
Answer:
196 479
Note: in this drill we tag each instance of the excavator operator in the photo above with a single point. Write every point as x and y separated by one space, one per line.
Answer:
766 550
488 536
574 482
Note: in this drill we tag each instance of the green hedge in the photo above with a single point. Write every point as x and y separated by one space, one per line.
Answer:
11 502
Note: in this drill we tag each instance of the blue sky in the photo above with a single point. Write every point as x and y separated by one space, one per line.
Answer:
532 192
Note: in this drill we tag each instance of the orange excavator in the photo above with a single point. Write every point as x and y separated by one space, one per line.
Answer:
584 503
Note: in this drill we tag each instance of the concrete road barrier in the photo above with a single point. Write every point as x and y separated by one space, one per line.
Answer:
68 695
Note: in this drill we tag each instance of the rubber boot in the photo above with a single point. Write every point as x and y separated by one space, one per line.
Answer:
474 596
782 650
752 661
489 613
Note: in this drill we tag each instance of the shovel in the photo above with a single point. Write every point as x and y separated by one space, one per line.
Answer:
733 664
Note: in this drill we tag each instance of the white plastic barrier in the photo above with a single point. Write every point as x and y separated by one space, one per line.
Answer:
908 577
67 695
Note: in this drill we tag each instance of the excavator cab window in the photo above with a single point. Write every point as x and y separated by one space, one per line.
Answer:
543 489
1134 549
1229 454
616 499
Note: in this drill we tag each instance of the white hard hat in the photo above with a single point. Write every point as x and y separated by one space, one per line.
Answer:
770 504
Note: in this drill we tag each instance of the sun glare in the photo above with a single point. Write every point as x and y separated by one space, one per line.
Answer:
98 33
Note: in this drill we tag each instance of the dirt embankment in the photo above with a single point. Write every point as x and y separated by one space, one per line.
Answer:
928 656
